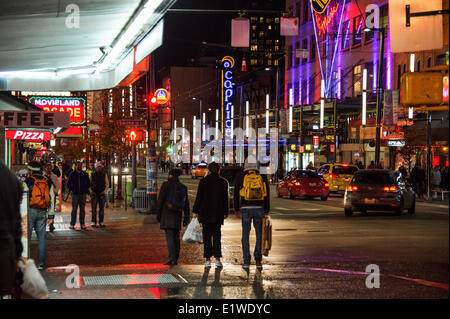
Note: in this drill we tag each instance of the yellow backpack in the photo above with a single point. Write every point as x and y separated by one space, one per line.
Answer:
253 187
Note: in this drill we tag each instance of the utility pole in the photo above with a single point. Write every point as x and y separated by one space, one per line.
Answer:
379 97
428 155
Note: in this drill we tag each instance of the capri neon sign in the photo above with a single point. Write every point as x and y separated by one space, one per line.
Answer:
227 94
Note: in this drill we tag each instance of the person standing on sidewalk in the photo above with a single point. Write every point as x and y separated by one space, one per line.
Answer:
40 188
252 202
48 173
99 183
211 208
418 178
10 230
172 201
78 183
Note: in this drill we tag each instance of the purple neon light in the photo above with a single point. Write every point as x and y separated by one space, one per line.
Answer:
327 85
317 44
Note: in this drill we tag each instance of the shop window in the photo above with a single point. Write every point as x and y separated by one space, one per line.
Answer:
357 79
346 36
357 30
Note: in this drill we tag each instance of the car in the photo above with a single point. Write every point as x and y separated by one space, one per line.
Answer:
126 169
380 190
338 175
199 171
230 173
305 183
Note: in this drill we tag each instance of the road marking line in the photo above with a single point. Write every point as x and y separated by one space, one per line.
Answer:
350 272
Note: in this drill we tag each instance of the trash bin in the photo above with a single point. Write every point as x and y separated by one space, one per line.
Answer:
141 199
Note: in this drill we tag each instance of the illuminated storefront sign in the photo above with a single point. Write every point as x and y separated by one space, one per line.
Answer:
28 135
76 106
322 24
162 96
319 6
227 94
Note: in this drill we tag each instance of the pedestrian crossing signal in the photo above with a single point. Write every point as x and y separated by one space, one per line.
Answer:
135 135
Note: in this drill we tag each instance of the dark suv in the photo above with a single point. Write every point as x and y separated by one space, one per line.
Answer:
379 189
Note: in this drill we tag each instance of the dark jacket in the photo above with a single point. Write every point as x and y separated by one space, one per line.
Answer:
98 182
211 203
239 202
10 228
78 183
170 219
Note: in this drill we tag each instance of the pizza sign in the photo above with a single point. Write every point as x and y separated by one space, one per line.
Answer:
76 106
28 135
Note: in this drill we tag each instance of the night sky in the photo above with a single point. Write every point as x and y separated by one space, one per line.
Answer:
184 32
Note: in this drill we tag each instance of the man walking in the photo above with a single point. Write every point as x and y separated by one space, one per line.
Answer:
172 201
78 183
99 183
211 208
418 178
10 230
252 202
55 183
40 189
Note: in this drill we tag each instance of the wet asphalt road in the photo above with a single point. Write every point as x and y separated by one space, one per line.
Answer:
317 252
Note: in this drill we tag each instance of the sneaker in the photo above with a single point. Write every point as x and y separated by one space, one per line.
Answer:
208 264
71 227
83 227
245 267
101 225
40 267
94 225
218 263
259 264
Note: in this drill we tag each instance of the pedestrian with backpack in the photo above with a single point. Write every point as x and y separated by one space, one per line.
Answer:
211 208
172 202
40 204
78 183
252 203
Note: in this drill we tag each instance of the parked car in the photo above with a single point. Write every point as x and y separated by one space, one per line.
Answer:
230 173
305 183
338 175
379 189
199 170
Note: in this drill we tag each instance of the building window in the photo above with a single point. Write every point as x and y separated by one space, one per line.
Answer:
269 27
312 49
277 20
369 67
298 10
289 56
346 37
261 34
312 91
254 19
357 30
305 47
253 61
269 20
384 18
399 75
254 47
275 62
306 9
303 92
429 62
297 59
357 78
418 66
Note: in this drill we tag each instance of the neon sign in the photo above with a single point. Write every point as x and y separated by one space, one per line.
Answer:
320 6
76 106
162 96
227 94
322 24
28 135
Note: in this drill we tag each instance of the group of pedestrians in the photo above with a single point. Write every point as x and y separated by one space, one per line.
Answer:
211 207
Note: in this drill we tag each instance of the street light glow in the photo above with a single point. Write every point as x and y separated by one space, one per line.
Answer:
322 102
364 98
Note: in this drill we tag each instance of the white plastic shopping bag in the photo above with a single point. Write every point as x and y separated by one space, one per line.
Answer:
193 233
33 282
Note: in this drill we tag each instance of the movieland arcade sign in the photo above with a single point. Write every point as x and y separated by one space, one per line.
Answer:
76 106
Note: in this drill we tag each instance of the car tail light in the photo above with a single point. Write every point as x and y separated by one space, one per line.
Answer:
327 184
331 176
297 183
390 189
352 188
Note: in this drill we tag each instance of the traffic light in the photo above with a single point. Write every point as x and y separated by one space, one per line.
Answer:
421 88
135 135
154 106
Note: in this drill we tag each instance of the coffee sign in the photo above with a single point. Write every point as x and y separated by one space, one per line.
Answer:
34 119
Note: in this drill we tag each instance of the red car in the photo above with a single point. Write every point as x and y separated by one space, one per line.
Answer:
303 183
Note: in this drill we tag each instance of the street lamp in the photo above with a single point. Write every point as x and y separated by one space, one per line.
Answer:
379 92
200 114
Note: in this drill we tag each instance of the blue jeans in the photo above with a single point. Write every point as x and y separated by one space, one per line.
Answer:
100 199
248 214
38 221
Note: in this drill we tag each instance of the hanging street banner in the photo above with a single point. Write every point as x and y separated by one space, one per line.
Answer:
319 6
391 101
